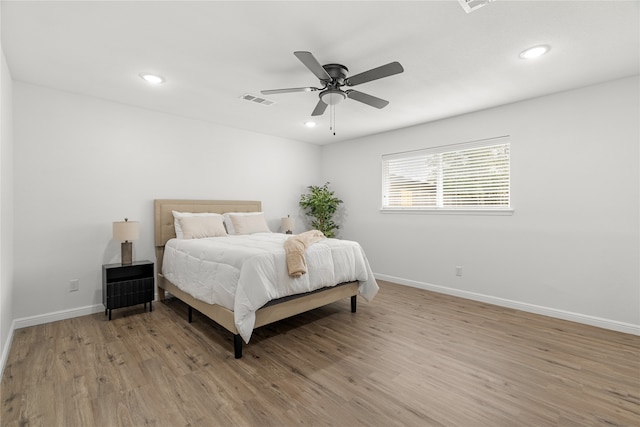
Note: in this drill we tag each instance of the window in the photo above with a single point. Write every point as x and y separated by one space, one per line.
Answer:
463 177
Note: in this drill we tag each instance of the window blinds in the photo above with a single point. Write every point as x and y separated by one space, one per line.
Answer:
465 176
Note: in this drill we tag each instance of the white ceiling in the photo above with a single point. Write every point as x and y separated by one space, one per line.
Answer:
213 52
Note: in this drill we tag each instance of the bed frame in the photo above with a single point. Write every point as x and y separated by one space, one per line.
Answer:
273 311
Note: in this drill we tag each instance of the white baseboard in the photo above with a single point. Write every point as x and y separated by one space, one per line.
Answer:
57 315
61 315
7 348
614 325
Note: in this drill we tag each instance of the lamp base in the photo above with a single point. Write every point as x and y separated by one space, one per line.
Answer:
126 253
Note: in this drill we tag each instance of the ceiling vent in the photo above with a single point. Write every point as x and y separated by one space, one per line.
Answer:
471 5
257 100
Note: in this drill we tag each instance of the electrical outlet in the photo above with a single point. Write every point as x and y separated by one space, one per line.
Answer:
459 270
74 285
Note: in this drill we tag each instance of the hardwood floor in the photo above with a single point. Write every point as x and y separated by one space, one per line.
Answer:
411 358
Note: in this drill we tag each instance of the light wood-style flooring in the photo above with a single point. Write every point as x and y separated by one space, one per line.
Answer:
411 358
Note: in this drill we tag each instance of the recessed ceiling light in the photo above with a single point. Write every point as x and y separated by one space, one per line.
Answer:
534 52
152 78
310 124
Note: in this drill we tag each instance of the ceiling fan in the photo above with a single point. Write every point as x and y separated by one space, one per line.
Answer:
334 77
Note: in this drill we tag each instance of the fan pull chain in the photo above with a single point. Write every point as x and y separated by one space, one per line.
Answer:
332 120
330 117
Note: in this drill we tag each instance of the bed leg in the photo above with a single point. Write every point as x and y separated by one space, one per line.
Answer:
190 314
353 303
237 346
160 294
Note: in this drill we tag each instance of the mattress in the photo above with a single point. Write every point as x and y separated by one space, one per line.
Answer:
243 273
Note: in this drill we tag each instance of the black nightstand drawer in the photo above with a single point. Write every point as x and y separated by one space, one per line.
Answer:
129 292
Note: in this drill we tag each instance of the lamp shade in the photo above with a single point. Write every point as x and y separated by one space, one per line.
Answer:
287 224
126 230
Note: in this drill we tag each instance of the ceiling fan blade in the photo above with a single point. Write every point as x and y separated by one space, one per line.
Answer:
375 73
367 99
288 90
313 65
320 107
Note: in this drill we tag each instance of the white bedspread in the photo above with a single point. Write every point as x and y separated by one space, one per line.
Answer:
243 273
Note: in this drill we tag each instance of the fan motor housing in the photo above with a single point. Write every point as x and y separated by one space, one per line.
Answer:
337 72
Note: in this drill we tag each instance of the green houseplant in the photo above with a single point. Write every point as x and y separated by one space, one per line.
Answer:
321 204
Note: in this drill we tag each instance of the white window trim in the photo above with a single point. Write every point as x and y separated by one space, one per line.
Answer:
489 211
446 211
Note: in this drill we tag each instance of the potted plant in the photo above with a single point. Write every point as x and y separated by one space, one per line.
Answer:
320 204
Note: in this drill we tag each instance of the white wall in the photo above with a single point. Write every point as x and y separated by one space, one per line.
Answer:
82 162
6 211
571 249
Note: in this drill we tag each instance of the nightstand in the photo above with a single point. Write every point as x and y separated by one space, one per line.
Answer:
126 285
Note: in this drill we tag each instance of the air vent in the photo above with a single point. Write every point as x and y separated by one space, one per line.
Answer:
471 5
257 99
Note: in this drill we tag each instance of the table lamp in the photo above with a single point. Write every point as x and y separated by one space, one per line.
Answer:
287 224
125 231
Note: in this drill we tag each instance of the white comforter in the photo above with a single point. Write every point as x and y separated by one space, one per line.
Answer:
243 273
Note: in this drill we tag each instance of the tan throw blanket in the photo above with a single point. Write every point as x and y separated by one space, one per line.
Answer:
296 246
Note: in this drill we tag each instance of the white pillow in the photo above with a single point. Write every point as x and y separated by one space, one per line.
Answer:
199 227
228 223
246 223
177 215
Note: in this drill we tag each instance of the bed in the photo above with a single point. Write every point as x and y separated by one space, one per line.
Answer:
266 311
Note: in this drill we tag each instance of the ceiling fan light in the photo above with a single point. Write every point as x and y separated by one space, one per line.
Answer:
332 97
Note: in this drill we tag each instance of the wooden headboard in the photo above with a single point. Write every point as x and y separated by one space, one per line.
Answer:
164 229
